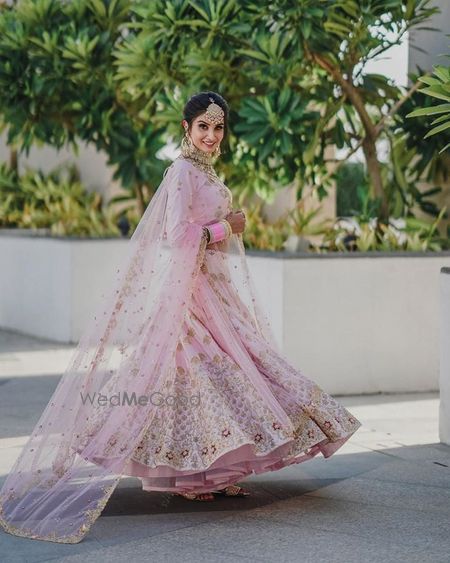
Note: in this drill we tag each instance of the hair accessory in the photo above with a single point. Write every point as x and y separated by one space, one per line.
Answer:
214 112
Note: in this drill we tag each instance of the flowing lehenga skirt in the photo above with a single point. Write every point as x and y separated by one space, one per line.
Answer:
212 427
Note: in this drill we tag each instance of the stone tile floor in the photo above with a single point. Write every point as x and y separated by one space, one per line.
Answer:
384 497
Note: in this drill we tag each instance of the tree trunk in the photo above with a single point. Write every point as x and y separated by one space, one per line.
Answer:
13 160
370 130
140 199
374 172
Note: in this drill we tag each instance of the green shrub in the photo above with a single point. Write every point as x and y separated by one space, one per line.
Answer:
56 201
351 188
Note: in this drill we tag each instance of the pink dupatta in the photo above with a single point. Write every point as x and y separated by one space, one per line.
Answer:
56 490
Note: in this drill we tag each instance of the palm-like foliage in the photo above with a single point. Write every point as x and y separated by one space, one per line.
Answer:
56 201
117 72
438 87
57 85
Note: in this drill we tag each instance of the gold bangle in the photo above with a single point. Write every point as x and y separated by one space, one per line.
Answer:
228 227
208 234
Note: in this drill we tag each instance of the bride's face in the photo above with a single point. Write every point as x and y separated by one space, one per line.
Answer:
204 134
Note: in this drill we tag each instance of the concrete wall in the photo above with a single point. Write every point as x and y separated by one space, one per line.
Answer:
444 375
49 286
354 323
360 323
366 323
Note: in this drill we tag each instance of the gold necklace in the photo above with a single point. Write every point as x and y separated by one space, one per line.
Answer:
201 159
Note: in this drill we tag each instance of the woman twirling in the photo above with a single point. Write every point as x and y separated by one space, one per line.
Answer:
177 379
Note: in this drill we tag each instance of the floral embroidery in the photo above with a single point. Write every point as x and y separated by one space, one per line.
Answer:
231 411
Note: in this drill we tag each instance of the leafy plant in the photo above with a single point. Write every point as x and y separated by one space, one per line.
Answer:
439 88
56 201
57 86
273 235
116 74
275 130
428 163
334 41
405 234
351 188
261 234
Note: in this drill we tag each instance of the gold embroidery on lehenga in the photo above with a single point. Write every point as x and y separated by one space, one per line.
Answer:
229 398
232 412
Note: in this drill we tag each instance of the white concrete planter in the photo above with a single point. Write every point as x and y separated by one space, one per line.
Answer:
354 322
49 285
357 322
444 376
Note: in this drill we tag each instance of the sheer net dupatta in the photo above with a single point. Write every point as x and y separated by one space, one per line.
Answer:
74 457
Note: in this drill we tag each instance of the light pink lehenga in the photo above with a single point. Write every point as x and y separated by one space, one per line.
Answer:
182 327
213 427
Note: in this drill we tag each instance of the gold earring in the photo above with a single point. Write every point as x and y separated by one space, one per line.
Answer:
187 143
217 152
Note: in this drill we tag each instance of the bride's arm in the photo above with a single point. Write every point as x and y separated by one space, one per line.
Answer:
180 221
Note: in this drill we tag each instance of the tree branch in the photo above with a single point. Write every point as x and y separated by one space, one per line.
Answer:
378 127
350 90
394 109
341 161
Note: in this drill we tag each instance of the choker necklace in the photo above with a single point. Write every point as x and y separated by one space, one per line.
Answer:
201 159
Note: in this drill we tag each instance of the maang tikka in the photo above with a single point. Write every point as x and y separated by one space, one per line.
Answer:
214 112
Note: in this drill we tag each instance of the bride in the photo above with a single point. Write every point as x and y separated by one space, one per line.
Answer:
177 379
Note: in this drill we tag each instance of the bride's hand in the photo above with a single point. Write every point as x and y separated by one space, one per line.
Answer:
237 221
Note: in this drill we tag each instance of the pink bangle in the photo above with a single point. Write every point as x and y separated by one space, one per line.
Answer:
218 231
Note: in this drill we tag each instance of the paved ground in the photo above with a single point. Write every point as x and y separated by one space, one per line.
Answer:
384 497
